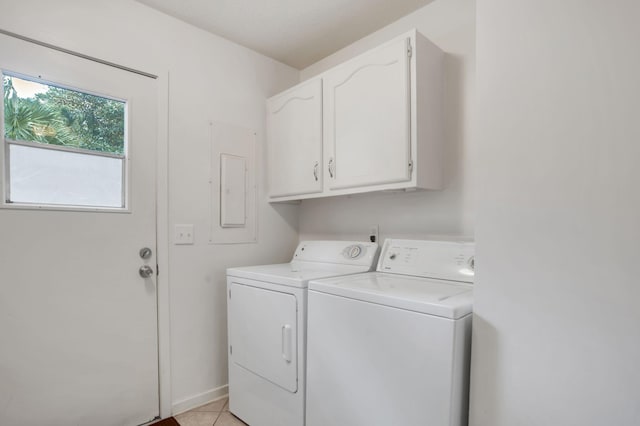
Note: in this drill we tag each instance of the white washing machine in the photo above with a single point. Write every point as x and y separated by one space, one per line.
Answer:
267 328
392 347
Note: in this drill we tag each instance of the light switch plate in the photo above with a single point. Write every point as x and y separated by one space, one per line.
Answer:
183 234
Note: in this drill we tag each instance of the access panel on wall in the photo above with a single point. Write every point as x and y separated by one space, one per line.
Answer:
233 185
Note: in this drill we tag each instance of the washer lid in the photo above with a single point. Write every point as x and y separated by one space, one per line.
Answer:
296 273
446 299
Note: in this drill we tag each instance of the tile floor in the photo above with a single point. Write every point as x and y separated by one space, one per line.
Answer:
215 413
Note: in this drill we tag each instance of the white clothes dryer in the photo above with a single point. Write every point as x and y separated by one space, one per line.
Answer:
392 347
267 324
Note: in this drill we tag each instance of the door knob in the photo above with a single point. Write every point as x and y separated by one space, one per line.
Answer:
145 271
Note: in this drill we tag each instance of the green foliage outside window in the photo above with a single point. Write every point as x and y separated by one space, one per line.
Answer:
66 117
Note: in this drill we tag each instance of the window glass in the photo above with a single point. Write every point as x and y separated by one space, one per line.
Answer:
64 147
43 113
47 176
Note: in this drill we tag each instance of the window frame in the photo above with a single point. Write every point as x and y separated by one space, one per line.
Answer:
6 203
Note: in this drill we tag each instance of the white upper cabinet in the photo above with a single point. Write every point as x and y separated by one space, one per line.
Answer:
381 117
294 141
367 118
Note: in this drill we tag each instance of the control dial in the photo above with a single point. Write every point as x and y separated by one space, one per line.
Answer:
353 252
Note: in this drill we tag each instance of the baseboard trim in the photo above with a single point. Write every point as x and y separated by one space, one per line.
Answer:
199 399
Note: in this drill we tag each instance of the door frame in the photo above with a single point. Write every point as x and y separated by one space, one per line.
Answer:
162 216
162 246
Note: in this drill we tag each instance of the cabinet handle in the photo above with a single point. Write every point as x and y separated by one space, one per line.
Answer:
315 171
331 167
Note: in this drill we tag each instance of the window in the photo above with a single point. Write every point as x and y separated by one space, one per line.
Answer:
62 147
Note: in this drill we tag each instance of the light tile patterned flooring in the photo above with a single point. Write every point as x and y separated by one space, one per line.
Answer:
215 413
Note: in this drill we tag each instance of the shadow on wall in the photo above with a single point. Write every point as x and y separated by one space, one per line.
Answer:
486 379
284 210
454 114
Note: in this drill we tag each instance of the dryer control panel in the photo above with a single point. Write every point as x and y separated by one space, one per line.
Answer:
341 252
446 260
354 251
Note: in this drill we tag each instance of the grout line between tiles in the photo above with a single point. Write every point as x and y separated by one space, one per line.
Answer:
220 413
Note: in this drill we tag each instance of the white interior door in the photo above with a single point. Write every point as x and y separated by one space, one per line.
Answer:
367 118
78 323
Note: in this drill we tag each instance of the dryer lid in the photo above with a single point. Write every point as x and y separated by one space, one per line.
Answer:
314 260
295 274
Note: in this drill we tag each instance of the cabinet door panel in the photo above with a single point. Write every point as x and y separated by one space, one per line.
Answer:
367 119
294 141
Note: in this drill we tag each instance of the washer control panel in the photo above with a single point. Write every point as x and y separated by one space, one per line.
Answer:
448 260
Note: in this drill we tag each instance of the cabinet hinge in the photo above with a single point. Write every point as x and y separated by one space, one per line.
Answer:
410 167
229 294
230 350
409 51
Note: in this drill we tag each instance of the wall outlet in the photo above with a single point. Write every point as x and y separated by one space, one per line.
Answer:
183 234
373 234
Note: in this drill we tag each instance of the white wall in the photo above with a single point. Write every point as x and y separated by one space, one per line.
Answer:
557 323
210 79
450 24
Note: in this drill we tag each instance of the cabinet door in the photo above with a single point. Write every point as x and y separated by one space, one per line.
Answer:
294 141
367 119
